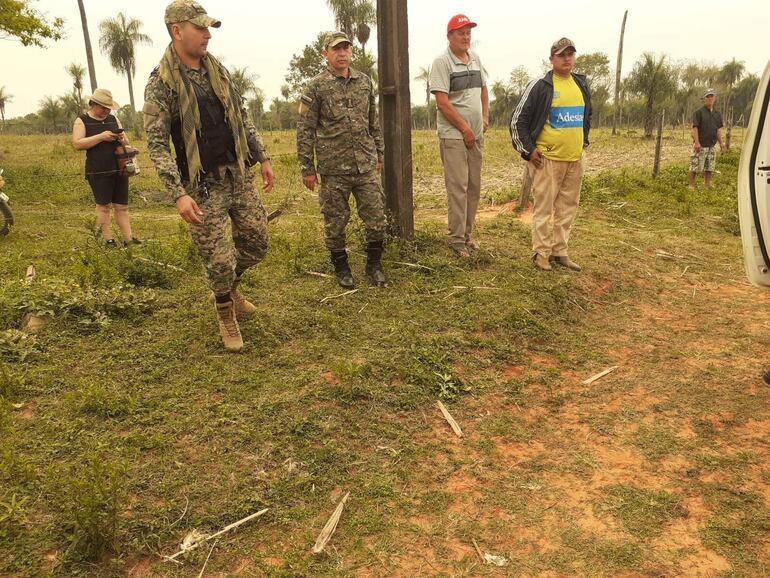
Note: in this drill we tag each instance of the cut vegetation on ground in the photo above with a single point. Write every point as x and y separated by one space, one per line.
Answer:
124 427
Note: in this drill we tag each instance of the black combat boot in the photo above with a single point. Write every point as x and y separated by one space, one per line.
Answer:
342 269
374 263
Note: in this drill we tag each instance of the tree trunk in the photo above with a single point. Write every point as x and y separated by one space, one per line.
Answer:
131 90
648 119
618 65
89 52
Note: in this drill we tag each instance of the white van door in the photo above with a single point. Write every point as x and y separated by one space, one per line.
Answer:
754 188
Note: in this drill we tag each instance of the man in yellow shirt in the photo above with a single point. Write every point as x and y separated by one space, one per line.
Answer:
549 128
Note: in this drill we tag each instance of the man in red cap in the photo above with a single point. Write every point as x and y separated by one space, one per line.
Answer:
458 82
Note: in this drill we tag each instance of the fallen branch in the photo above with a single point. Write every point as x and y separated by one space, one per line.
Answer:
317 274
196 543
330 527
30 276
448 416
274 215
478 551
415 265
599 375
159 263
629 245
325 299
207 559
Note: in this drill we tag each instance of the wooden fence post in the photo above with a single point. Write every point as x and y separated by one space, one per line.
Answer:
658 142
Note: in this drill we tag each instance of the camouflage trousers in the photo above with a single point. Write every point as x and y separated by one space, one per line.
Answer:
704 160
231 196
370 203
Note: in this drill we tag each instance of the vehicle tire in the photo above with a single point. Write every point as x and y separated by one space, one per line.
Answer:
6 218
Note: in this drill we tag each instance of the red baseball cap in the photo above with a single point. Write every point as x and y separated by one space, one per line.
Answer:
459 21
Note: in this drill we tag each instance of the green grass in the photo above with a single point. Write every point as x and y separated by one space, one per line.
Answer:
124 425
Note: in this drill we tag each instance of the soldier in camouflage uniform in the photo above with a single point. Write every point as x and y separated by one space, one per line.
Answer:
191 99
338 122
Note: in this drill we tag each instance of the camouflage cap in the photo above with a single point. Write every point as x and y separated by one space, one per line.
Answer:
334 38
189 11
561 45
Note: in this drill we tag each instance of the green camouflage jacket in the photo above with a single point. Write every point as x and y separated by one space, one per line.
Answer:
161 109
338 120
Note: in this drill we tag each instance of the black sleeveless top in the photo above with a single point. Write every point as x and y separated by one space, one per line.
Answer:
100 159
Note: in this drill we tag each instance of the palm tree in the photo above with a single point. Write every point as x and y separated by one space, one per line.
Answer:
244 81
119 37
353 17
51 110
424 76
71 105
366 14
76 72
4 98
654 80
89 52
256 108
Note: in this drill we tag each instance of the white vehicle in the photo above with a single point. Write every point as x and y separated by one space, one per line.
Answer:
754 188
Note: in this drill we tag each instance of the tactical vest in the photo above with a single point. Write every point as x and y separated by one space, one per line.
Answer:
215 138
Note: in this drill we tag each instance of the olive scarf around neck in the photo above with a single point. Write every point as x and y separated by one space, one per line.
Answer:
172 74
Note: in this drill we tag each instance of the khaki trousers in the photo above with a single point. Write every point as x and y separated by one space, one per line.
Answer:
556 187
462 175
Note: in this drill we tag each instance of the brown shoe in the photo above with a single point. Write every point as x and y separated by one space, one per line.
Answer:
565 261
541 262
228 326
472 245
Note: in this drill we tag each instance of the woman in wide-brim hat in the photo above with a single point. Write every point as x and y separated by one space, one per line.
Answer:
98 132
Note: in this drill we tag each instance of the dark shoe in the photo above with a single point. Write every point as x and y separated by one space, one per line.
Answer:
541 262
342 269
766 378
565 261
111 244
133 241
374 264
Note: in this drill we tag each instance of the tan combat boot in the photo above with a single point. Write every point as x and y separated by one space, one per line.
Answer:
228 326
243 307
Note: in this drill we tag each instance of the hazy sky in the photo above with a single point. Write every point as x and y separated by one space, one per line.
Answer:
264 35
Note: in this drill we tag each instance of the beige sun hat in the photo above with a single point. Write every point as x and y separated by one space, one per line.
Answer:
104 97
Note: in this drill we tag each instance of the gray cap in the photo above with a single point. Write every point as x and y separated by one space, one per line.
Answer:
561 45
709 92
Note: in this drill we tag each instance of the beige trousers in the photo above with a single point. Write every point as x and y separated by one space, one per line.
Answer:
556 188
462 175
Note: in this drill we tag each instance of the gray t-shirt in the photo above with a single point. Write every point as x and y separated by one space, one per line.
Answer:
462 83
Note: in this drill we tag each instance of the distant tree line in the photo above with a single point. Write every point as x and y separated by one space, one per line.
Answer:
655 85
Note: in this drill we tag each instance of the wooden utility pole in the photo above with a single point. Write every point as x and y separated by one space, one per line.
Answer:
396 112
618 65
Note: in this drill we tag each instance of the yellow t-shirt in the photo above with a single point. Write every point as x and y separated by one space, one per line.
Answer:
562 136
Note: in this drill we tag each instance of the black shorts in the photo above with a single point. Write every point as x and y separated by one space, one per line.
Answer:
109 189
